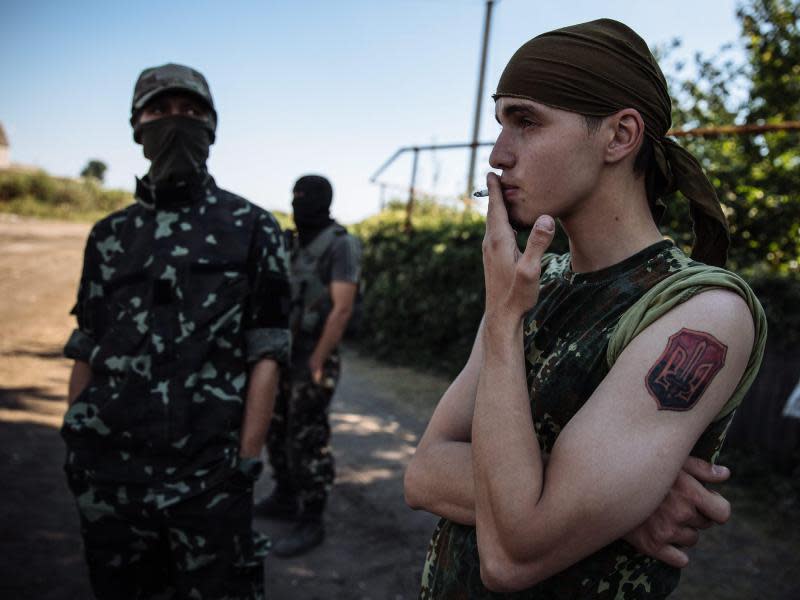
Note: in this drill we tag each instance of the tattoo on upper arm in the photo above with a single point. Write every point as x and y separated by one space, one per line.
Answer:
685 369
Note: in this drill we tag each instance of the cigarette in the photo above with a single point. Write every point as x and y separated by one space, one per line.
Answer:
481 193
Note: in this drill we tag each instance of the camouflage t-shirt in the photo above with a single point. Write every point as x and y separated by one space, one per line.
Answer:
176 300
566 336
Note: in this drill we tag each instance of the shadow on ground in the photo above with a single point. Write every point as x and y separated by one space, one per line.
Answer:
375 545
39 537
18 398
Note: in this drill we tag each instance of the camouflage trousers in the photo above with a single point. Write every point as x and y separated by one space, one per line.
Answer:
202 547
299 435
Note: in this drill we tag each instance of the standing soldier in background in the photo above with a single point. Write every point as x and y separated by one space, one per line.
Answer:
182 323
326 264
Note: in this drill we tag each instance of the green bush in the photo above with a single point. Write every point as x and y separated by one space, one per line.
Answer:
284 219
424 293
423 290
37 194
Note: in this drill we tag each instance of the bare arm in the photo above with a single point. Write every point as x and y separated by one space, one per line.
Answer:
616 459
79 378
439 477
258 408
343 294
612 465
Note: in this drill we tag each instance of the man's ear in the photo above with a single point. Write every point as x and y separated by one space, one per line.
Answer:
627 135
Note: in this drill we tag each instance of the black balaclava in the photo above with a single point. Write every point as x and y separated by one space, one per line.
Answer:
311 206
177 147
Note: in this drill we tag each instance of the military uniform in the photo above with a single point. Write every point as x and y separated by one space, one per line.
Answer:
299 435
566 339
180 294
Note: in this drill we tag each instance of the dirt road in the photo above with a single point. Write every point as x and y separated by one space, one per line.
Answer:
375 545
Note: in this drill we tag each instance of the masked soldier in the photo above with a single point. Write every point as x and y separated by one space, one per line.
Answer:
325 273
182 317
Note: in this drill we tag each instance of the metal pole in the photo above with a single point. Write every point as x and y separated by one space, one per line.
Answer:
479 100
736 129
410 205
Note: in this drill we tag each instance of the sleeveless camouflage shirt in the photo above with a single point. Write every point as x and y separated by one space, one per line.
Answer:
566 338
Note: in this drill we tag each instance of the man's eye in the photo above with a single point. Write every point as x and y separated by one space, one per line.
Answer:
526 123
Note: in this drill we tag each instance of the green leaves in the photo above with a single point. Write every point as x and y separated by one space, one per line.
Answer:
757 178
423 291
38 194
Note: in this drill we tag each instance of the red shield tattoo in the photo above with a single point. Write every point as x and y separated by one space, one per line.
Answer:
685 369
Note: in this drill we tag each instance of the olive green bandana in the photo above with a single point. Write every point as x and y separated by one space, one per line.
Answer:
599 68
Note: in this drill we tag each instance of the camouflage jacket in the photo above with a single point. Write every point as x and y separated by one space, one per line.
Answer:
177 298
566 337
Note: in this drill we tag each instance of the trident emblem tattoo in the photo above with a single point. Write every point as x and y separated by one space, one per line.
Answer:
685 369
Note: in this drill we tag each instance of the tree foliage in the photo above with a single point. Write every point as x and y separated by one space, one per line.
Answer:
95 168
757 177
423 296
424 291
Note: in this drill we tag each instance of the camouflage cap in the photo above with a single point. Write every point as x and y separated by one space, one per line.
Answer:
170 77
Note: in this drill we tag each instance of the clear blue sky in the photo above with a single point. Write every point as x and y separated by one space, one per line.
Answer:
300 86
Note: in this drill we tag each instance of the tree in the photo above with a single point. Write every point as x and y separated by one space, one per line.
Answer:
95 168
757 177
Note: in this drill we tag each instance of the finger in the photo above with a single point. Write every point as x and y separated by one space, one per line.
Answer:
497 215
713 506
700 499
686 537
671 555
704 471
538 241
693 497
699 521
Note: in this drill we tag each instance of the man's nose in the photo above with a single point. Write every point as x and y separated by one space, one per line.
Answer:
501 156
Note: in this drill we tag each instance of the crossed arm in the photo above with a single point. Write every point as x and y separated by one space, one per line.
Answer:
612 464
440 477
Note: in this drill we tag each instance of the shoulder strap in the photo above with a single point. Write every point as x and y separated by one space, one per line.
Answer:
320 244
678 288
